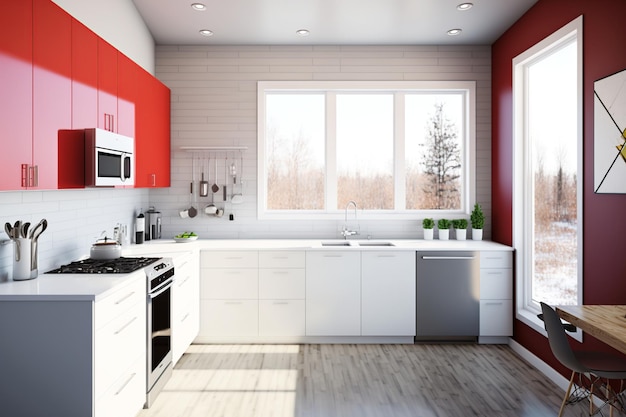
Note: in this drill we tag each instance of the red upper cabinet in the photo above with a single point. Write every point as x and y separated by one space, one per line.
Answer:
84 77
52 89
152 139
16 105
107 86
127 73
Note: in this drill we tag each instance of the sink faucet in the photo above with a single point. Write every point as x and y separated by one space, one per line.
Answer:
347 232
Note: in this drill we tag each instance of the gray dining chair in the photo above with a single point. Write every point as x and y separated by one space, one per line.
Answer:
594 369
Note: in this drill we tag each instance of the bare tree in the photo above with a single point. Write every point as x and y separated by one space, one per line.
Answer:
442 161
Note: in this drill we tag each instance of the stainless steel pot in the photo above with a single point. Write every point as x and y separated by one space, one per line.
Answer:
106 249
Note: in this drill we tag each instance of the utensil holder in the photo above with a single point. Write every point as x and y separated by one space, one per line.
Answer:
24 260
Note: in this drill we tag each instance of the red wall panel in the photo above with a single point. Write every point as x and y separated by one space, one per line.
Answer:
604 262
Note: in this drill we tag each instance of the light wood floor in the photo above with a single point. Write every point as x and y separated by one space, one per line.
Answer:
356 380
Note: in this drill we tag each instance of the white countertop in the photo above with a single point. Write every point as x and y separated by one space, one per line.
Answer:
92 287
66 287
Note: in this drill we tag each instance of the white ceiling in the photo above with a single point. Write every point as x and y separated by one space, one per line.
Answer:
342 22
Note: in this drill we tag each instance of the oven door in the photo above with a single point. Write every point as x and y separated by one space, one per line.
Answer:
159 350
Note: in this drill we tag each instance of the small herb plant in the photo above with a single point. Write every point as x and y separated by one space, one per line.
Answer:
477 218
428 223
459 223
443 224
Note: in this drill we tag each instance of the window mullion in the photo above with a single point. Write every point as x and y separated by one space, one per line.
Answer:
331 151
399 171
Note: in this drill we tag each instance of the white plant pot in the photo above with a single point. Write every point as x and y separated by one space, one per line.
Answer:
461 234
477 234
428 234
444 234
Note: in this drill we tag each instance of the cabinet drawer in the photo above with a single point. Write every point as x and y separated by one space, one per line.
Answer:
496 284
126 395
282 259
120 301
496 259
281 318
117 345
496 318
229 318
282 284
231 283
229 259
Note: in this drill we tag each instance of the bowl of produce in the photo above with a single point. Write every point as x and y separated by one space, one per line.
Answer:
185 237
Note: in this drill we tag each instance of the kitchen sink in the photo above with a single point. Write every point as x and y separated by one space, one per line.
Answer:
336 243
376 244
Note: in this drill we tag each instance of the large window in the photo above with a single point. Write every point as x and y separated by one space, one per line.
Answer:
394 147
548 173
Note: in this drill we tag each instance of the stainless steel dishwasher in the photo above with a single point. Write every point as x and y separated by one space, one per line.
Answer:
448 298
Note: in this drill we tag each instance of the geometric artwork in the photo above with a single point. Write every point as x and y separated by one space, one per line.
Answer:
609 143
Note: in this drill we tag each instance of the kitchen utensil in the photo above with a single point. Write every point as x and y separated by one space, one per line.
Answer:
204 185
191 211
210 209
215 188
24 231
8 229
105 249
225 179
238 198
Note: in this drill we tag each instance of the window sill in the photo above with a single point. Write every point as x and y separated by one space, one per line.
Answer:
529 318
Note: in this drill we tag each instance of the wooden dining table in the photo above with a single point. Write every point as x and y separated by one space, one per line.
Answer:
604 322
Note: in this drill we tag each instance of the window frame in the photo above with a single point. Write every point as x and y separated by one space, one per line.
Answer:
526 309
468 130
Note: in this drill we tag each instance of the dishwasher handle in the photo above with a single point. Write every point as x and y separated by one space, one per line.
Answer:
447 257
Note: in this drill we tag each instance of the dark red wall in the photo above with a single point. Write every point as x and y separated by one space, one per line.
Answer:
604 216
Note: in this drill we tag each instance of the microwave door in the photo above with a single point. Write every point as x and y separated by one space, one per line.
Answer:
125 167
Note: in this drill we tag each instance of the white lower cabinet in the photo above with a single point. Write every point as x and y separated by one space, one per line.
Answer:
185 303
75 357
282 288
388 293
333 293
229 294
496 294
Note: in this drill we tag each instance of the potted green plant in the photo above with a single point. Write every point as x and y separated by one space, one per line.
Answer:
477 218
428 224
460 228
444 229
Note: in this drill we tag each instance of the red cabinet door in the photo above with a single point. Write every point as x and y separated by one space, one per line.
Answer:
84 77
127 72
107 86
152 139
16 105
52 87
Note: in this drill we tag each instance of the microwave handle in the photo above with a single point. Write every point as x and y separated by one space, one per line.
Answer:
123 167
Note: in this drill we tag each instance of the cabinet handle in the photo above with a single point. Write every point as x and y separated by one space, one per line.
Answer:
280 272
232 272
447 257
24 175
184 318
280 257
183 281
126 297
125 383
35 177
494 303
333 256
494 257
121 329
233 257
281 303
386 256
153 179
495 273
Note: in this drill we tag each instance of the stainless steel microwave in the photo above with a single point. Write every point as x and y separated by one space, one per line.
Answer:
109 159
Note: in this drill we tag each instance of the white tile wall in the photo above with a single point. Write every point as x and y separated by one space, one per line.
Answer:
76 219
214 104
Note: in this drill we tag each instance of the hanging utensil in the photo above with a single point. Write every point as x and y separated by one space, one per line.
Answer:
204 185
192 212
225 178
238 198
8 229
215 188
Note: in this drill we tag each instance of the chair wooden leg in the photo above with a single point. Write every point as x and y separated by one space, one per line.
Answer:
567 392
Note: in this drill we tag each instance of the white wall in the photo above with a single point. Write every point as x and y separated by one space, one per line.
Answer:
214 93
119 23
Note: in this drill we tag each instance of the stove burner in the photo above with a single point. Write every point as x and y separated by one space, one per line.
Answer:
104 266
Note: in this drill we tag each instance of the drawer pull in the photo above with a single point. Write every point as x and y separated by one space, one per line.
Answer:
280 257
495 273
183 281
333 256
121 300
280 272
281 303
447 257
386 256
494 303
126 383
233 257
185 317
494 257
121 329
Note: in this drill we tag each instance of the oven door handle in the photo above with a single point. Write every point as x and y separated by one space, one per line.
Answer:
164 287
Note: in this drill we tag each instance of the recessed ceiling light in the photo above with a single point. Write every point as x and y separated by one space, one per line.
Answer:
464 6
206 32
198 6
302 32
454 32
